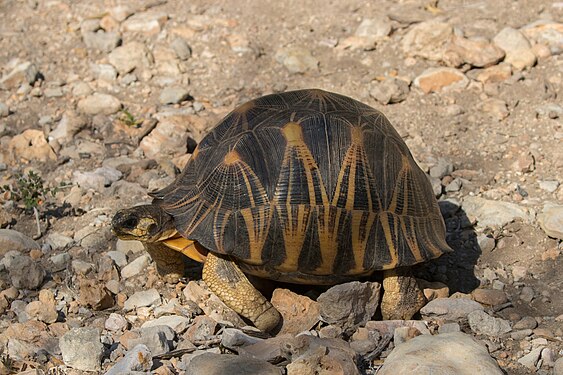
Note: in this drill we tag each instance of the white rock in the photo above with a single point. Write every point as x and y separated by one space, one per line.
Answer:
99 104
482 323
494 213
177 322
143 298
517 48
82 349
427 39
297 59
133 55
551 220
135 267
137 360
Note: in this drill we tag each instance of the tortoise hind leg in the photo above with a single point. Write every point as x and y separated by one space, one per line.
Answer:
169 263
402 297
230 284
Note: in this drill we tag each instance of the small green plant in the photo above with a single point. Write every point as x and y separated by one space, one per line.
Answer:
128 119
31 192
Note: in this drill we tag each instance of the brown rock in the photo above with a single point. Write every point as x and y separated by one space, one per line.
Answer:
490 297
222 364
300 313
497 73
496 108
387 327
169 138
433 290
95 295
428 39
31 145
477 52
202 328
437 79
525 163
128 338
266 350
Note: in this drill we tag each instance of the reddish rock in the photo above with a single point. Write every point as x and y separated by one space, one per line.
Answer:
437 79
300 313
490 297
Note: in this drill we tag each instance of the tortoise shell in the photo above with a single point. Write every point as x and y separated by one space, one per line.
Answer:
307 186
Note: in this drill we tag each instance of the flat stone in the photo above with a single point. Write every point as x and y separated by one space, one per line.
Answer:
526 322
130 56
450 309
82 349
482 323
135 267
300 313
233 339
177 322
138 358
127 247
142 299
476 52
24 72
530 359
494 74
220 364
427 39
173 95
58 240
517 48
116 322
445 354
551 220
97 103
159 339
493 213
391 90
100 40
297 59
349 305
438 79
490 297
26 273
202 328
11 240
149 22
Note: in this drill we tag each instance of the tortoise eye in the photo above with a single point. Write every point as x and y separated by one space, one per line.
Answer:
130 223
153 228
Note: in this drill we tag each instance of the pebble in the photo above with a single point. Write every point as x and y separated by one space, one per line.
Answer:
299 313
169 137
495 74
433 290
427 39
142 299
59 262
4 110
477 52
453 186
297 60
98 179
449 328
496 108
438 79
521 334
23 73
81 267
94 294
220 364
181 48
130 56
450 309
484 324
490 297
104 72
551 110
159 339
31 145
149 22
526 322
116 322
233 339
268 349
201 329
177 322
517 48
43 310
138 359
391 90
558 367
173 95
349 305
441 169
527 294
453 353
81 89
118 257
551 220
129 247
99 104
82 349
493 213
530 359
369 32
135 267
11 240
26 273
486 243
100 40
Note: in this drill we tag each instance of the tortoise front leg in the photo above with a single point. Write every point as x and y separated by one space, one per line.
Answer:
169 263
402 297
230 284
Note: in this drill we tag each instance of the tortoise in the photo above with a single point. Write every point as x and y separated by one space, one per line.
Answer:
306 187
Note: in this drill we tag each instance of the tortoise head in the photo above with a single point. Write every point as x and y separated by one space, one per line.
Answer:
146 223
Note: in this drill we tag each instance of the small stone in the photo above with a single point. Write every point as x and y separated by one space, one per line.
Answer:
138 359
149 22
43 310
100 40
81 349
517 48
433 290
551 111
81 89
297 60
199 293
546 32
135 267
177 322
526 322
26 273
4 110
482 323
96 103
521 334
391 90
444 354
233 339
477 52
404 334
116 322
127 247
369 32
159 339
493 213
131 56
220 364
31 145
173 95
427 39
181 48
525 163
95 295
58 241
450 309
438 79
549 186
496 108
486 243
202 328
169 137
299 313
453 186
494 74
527 294
59 261
98 179
11 240
362 347
441 169
530 359
349 305
142 299
551 220
266 350
81 267
519 272
449 328
490 297
104 72
23 73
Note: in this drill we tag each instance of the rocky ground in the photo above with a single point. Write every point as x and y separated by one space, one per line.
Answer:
105 100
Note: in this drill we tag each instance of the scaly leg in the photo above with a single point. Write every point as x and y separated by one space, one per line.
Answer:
169 263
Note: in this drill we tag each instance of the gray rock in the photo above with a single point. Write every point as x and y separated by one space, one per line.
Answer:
296 59
59 261
527 322
450 309
118 257
449 328
81 89
546 32
25 273
58 240
149 22
181 48
486 243
444 354
104 72
173 95
220 364
82 349
133 55
22 73
81 267
530 359
177 322
550 110
11 240
390 91
100 40
518 50
441 169
427 39
137 359
349 305
142 299
96 103
551 220
4 110
455 185
478 52
521 334
233 339
126 247
97 180
116 322
549 186
484 324
159 339
493 213
527 294
436 186
135 267
558 367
